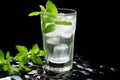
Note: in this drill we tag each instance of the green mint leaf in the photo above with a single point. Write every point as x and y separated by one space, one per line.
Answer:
41 53
43 10
24 60
63 23
1 66
5 67
35 48
35 13
23 68
27 69
20 56
36 60
43 23
1 56
22 49
14 71
51 8
49 28
8 57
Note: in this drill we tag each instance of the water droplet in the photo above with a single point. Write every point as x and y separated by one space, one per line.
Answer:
84 72
102 66
74 62
79 66
113 69
89 79
89 69
101 72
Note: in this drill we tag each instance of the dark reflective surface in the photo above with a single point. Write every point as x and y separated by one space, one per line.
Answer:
82 70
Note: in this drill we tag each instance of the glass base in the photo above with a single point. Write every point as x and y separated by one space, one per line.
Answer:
55 67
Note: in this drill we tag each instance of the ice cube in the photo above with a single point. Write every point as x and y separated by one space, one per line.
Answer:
53 40
60 54
63 16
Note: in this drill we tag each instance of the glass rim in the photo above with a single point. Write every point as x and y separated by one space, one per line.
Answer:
71 11
67 13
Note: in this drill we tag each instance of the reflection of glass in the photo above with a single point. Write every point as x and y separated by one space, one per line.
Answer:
59 43
61 76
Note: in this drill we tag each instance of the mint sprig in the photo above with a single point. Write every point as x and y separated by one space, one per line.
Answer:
51 12
23 56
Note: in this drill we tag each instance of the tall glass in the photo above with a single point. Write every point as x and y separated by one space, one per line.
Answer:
58 39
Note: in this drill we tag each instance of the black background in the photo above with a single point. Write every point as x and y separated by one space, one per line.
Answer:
96 33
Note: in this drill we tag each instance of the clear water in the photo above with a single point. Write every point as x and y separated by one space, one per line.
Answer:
59 53
59 45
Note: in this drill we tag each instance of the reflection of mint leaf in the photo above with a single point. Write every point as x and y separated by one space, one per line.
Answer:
35 13
51 8
49 28
63 22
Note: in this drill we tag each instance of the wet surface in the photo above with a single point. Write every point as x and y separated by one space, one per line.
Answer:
82 70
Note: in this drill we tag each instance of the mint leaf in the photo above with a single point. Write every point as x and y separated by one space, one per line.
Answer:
36 60
24 68
51 8
1 56
24 60
14 71
1 67
5 67
63 22
43 23
49 28
35 13
20 56
41 53
35 48
43 10
8 57
22 49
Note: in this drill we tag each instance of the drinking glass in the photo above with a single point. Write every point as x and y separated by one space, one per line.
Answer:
58 32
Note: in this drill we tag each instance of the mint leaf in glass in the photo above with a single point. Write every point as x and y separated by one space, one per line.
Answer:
49 28
51 8
48 15
35 13
63 22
